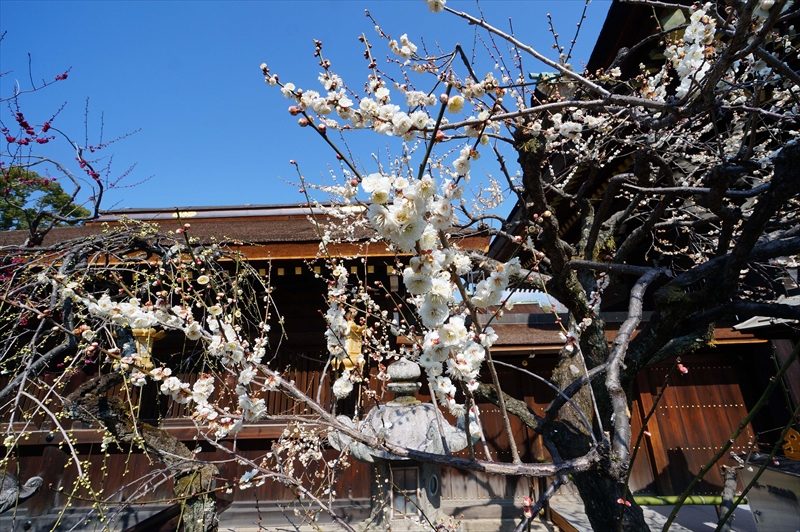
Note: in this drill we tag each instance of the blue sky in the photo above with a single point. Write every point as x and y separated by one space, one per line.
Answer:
185 74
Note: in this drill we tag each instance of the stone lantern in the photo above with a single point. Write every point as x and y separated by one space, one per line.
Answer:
404 491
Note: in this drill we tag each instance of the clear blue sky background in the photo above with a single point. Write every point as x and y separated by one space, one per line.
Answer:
185 73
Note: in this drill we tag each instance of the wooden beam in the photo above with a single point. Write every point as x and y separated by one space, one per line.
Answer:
660 458
561 522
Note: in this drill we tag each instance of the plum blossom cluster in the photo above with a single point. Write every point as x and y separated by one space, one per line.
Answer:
336 333
405 212
462 366
376 111
299 444
223 341
405 49
415 219
450 350
689 57
479 89
31 134
413 216
338 329
562 127
489 292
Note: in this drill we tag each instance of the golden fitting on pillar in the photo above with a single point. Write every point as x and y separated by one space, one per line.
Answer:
144 345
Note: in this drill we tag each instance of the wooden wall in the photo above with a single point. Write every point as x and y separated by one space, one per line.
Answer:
697 414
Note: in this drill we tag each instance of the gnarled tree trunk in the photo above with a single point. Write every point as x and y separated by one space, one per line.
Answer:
194 481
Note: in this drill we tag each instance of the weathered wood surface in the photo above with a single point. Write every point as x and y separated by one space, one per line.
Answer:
697 414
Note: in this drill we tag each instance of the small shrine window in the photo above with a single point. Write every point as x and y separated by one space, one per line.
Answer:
405 483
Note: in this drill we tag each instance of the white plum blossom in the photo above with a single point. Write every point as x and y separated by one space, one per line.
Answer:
343 386
441 217
193 331
247 375
420 119
137 378
461 165
433 313
252 410
402 123
379 186
204 412
444 388
442 289
171 386
570 129
383 95
287 90
688 57
203 388
489 292
158 374
463 265
273 382
433 347
417 282
488 337
179 391
416 98
429 239
455 104
404 49
454 333
436 5
486 295
465 365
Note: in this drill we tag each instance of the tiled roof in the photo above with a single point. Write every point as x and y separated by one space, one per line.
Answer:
257 225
